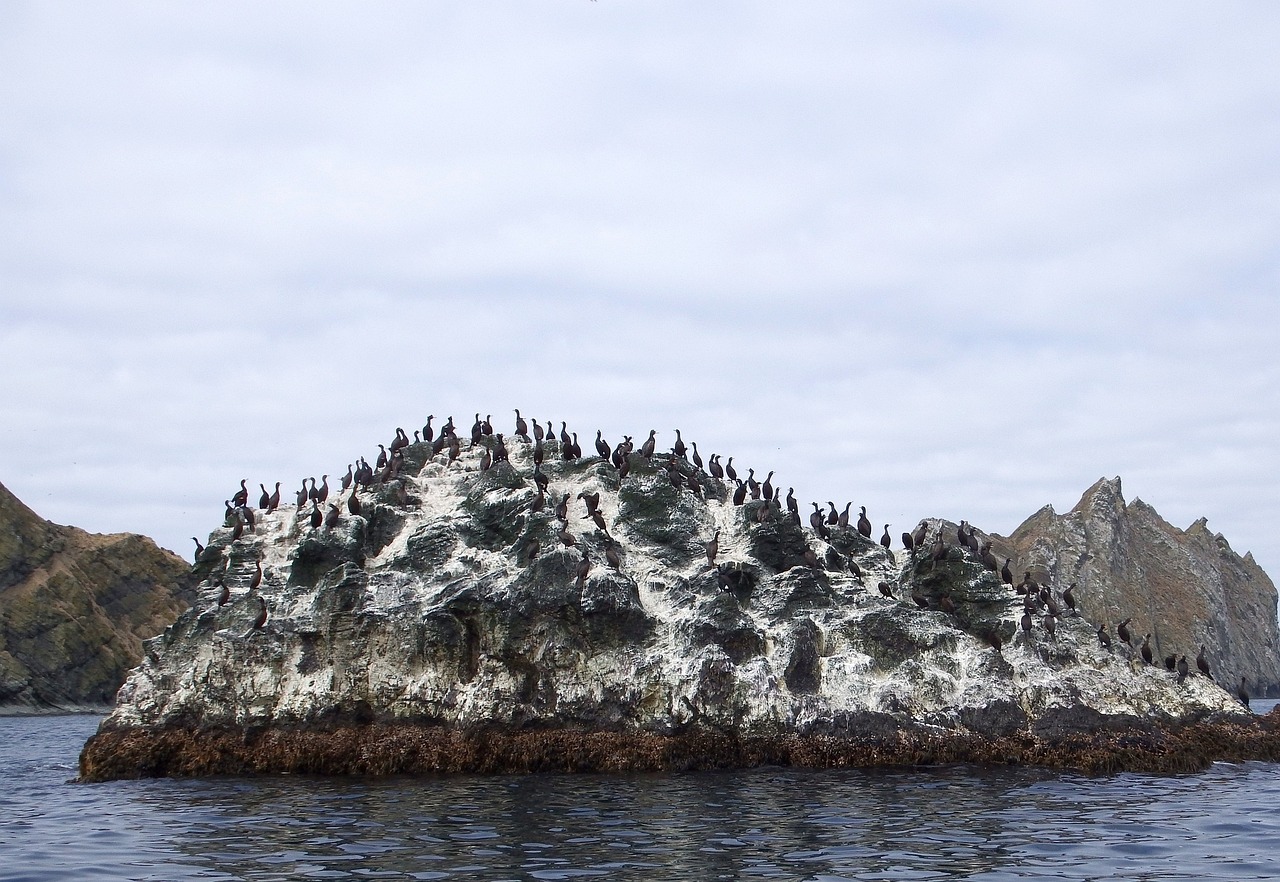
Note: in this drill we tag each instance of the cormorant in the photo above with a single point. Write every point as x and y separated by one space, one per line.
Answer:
712 548
1202 663
864 525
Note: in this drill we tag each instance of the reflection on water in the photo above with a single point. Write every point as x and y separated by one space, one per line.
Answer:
960 822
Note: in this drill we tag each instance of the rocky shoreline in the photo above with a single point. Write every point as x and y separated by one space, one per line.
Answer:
407 749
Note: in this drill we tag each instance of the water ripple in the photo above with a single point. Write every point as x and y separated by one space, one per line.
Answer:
972 823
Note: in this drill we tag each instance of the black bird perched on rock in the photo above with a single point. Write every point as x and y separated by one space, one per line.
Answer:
920 599
562 509
347 479
599 521
273 502
591 501
331 517
1050 623
697 460
766 489
885 540
612 557
602 446
540 478
819 523
678 448
1028 585
714 467
647 448
1202 663
242 495
522 427
302 494
256 579
1242 691
538 434
264 501
1104 639
1146 649
908 543
1122 631
712 548
919 533
673 475
1183 668
988 559
1069 597
752 484
316 517
885 589
261 620
695 486
842 520
1026 622
864 525
939 547
740 495
429 433
565 537
539 501
584 568
353 503
833 519
1171 663
199 548
225 594
792 505
730 471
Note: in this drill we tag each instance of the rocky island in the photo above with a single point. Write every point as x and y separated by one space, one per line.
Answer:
511 604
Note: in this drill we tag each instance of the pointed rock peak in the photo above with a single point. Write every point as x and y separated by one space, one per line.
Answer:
1200 526
1105 494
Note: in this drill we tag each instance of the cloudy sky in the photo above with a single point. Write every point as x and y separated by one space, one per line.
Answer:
939 259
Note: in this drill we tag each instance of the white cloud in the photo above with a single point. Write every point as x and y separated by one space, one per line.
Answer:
939 260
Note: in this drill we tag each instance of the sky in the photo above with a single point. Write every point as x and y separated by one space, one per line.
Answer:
938 259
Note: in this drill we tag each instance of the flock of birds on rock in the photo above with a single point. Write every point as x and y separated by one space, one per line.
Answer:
686 470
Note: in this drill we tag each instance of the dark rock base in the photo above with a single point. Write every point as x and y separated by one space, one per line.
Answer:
406 749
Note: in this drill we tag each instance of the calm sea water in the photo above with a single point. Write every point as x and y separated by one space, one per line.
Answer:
965 822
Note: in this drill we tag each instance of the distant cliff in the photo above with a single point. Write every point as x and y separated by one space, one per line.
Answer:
1186 588
75 608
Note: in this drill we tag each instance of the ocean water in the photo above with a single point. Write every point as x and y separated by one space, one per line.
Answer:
952 823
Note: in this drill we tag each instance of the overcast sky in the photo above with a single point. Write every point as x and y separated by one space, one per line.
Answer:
954 260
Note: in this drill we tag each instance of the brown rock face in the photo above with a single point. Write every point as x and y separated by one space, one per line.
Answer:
1186 588
75 608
